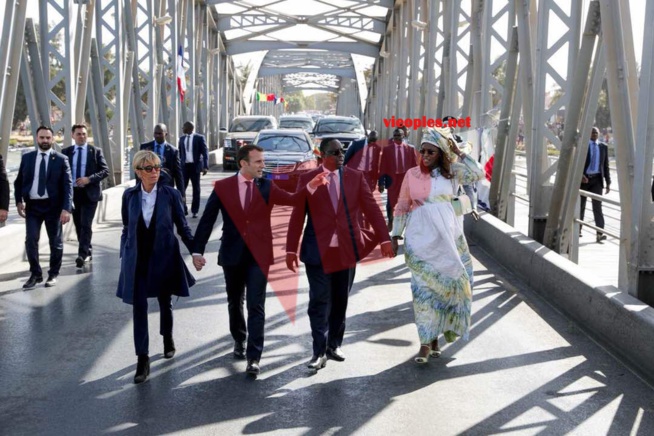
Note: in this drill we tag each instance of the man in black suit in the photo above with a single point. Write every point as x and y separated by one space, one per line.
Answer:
332 244
363 156
195 160
246 252
45 183
596 172
89 168
4 192
171 172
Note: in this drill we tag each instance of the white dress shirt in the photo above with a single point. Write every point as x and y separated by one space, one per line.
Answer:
34 190
148 201
188 143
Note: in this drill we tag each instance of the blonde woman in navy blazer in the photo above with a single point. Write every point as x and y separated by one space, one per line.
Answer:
151 263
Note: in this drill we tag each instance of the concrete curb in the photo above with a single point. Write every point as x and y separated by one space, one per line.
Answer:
619 321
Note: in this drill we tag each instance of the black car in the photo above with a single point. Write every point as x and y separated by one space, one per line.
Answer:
345 129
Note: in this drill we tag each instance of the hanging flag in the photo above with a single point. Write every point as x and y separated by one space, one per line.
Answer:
181 73
270 97
277 101
261 96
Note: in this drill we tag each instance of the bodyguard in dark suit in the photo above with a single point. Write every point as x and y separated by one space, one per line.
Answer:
195 160
246 253
171 173
151 265
45 185
332 245
363 156
89 168
596 172
4 192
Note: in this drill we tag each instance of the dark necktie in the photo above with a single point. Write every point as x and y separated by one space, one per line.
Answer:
368 152
42 175
400 160
159 150
333 194
248 195
78 168
188 145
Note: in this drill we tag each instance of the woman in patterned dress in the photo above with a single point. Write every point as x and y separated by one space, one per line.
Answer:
436 249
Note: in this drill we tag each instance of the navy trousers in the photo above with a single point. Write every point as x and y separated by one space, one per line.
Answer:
247 275
38 212
83 214
328 297
594 185
191 174
140 312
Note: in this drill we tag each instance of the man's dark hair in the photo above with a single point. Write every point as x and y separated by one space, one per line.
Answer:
324 143
244 152
44 128
447 118
78 126
398 131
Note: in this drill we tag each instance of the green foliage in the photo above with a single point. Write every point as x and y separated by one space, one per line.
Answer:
603 114
295 102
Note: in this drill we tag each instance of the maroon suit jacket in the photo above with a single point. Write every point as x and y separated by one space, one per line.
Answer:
323 221
355 154
388 166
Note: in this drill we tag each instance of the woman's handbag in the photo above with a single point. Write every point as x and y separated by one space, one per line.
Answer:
460 202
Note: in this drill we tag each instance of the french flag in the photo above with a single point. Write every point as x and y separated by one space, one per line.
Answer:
181 73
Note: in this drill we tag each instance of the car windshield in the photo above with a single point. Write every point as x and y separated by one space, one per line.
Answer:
284 143
296 124
250 125
339 126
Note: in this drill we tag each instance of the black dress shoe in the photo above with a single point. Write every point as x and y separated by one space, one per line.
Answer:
601 237
239 350
32 281
142 369
169 347
52 281
195 215
79 262
317 362
253 367
336 354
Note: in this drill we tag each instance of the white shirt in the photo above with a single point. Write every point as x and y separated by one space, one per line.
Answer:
243 187
148 200
188 144
337 180
34 190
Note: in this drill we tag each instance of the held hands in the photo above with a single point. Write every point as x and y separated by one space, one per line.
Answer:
65 217
291 261
319 180
198 261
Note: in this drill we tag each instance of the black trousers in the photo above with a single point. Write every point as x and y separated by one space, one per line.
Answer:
247 275
328 297
594 185
191 174
83 215
38 212
140 312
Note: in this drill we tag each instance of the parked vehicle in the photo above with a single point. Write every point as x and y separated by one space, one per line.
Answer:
242 131
297 122
287 154
345 129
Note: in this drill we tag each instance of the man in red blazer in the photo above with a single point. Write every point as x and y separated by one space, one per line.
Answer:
332 245
397 158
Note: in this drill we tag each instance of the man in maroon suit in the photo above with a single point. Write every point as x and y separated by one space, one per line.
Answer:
332 244
397 158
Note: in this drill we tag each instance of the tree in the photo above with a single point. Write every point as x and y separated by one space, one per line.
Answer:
295 102
603 114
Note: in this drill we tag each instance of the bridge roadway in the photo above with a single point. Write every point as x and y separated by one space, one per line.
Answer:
67 362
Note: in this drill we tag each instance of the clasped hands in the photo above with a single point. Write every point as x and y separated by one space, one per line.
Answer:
199 261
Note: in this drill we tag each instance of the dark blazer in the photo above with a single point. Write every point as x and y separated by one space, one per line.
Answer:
388 165
200 152
4 186
58 184
167 271
354 155
241 228
603 163
171 164
96 170
322 221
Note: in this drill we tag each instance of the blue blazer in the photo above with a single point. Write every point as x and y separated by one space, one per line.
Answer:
241 229
96 170
167 271
200 152
171 164
58 184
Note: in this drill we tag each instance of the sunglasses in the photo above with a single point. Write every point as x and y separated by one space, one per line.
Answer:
337 152
150 168
427 151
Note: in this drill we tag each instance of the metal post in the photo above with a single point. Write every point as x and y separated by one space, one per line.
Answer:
101 133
